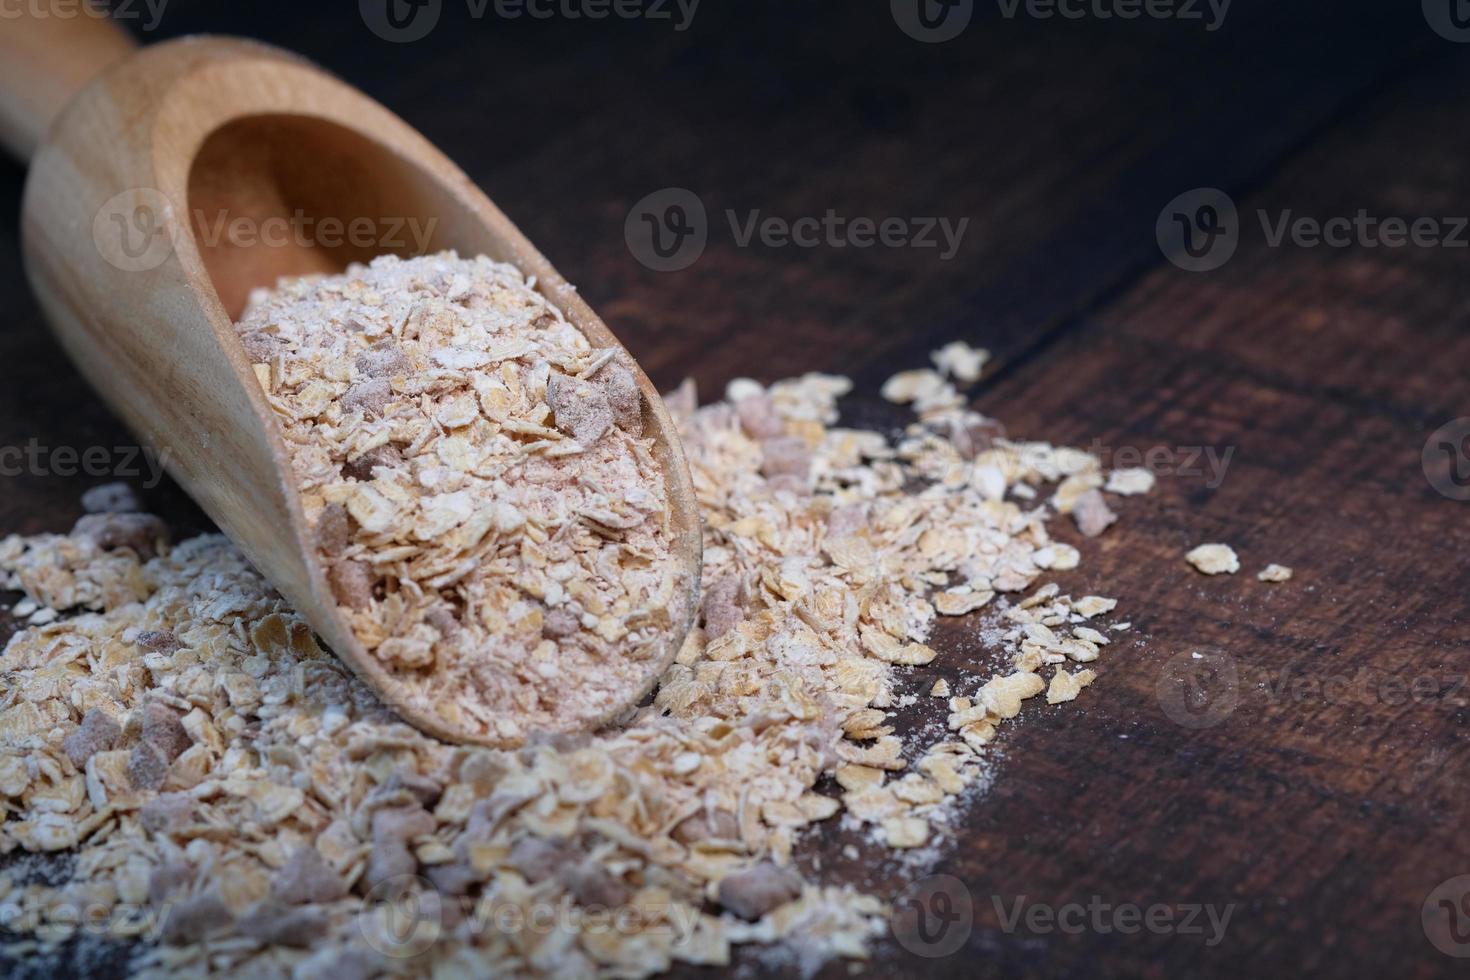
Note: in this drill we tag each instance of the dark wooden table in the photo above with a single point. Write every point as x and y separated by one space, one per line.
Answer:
1310 769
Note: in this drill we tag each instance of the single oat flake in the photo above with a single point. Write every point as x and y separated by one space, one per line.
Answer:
960 361
232 801
1275 573
1214 559
1130 482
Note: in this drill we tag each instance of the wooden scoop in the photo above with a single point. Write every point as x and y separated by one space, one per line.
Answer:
144 301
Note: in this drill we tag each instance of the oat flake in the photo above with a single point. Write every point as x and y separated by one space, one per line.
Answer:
1214 559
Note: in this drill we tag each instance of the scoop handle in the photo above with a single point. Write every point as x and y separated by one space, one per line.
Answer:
47 53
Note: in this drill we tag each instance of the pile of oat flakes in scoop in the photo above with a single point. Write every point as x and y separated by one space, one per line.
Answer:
234 799
489 512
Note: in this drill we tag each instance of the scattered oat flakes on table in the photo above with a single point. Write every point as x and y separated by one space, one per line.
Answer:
1214 559
1065 686
960 361
1092 514
183 734
1130 482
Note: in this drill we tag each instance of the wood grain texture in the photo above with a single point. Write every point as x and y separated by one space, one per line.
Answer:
1328 802
215 127
1325 815
44 62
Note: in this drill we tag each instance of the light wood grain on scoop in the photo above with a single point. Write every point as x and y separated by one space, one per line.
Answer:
124 252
